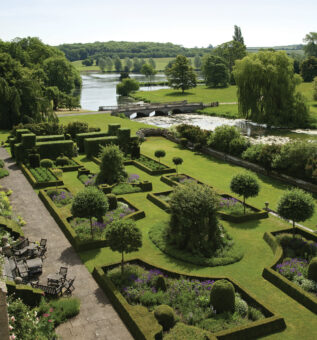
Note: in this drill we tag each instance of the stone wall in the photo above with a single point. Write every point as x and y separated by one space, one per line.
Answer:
4 322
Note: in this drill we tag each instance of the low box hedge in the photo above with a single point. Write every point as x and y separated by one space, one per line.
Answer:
167 179
271 324
149 171
153 197
30 296
281 282
38 185
71 167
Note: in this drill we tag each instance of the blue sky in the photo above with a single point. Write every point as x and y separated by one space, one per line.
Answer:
188 23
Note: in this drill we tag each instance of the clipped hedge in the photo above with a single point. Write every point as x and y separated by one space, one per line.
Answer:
53 149
288 287
92 145
18 152
271 324
167 179
149 171
113 129
153 197
19 133
141 323
11 226
37 185
30 296
28 140
50 138
80 137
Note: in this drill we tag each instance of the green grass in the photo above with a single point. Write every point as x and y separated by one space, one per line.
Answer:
160 64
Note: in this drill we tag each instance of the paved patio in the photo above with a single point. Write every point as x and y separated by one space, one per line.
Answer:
97 318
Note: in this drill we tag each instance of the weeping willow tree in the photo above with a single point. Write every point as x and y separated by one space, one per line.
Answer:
266 86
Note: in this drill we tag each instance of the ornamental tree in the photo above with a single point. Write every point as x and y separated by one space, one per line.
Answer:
127 86
124 236
148 70
90 203
296 205
245 185
159 154
180 74
194 224
111 167
46 163
215 71
177 161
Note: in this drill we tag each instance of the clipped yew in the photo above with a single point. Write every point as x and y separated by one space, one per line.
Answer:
159 154
222 296
312 269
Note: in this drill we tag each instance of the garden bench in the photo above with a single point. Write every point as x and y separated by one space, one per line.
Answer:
69 286
50 290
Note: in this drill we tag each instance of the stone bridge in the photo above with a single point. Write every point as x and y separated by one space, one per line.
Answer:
155 109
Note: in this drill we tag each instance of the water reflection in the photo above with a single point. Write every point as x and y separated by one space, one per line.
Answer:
99 89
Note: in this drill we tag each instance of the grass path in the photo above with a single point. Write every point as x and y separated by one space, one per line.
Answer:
249 236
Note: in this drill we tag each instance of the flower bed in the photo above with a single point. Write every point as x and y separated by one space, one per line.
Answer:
189 296
174 179
160 199
289 270
71 166
60 196
42 174
40 177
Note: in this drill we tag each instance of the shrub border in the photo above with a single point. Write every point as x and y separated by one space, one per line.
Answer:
272 323
70 233
29 295
157 201
12 227
39 185
165 179
281 282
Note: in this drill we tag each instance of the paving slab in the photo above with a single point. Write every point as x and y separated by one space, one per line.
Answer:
97 318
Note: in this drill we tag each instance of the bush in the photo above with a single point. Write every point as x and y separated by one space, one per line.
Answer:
241 307
254 314
193 224
182 331
183 142
222 296
1 163
193 133
113 203
160 283
262 154
165 316
159 154
127 86
34 160
62 160
73 128
40 129
3 172
46 163
312 270
238 145
222 136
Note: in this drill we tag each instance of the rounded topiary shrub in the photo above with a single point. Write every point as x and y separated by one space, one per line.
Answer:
113 202
312 269
160 283
62 160
222 296
165 316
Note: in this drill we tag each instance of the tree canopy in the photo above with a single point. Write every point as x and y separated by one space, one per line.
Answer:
237 36
215 71
266 86
180 74
127 86
309 69
311 47
28 68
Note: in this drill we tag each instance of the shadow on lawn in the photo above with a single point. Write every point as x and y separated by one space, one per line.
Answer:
179 94
245 225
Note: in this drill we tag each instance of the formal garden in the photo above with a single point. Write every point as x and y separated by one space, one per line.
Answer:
176 238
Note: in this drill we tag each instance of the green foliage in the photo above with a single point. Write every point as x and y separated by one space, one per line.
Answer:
113 202
182 331
222 296
245 185
311 47
231 52
28 140
75 127
215 71
296 205
177 161
237 34
125 188
312 269
184 142
1 163
148 70
90 203
3 172
222 136
52 149
193 133
194 224
62 160
160 283
46 163
111 167
117 64
42 175
165 316
238 145
181 75
159 154
88 62
267 90
309 69
40 129
127 86
197 61
124 236
315 88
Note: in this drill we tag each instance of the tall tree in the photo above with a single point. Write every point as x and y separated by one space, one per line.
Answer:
197 61
102 64
117 64
267 89
237 36
215 71
109 64
128 63
311 47
148 70
309 69
152 63
181 75
136 65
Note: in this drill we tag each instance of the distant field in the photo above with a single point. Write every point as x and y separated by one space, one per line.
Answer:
160 64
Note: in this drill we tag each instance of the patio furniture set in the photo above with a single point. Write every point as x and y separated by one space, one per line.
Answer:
23 262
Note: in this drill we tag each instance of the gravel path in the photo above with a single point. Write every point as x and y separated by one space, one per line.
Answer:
97 318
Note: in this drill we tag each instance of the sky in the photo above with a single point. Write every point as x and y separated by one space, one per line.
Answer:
188 23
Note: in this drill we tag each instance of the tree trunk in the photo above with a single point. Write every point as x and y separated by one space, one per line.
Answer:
122 261
92 234
243 205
